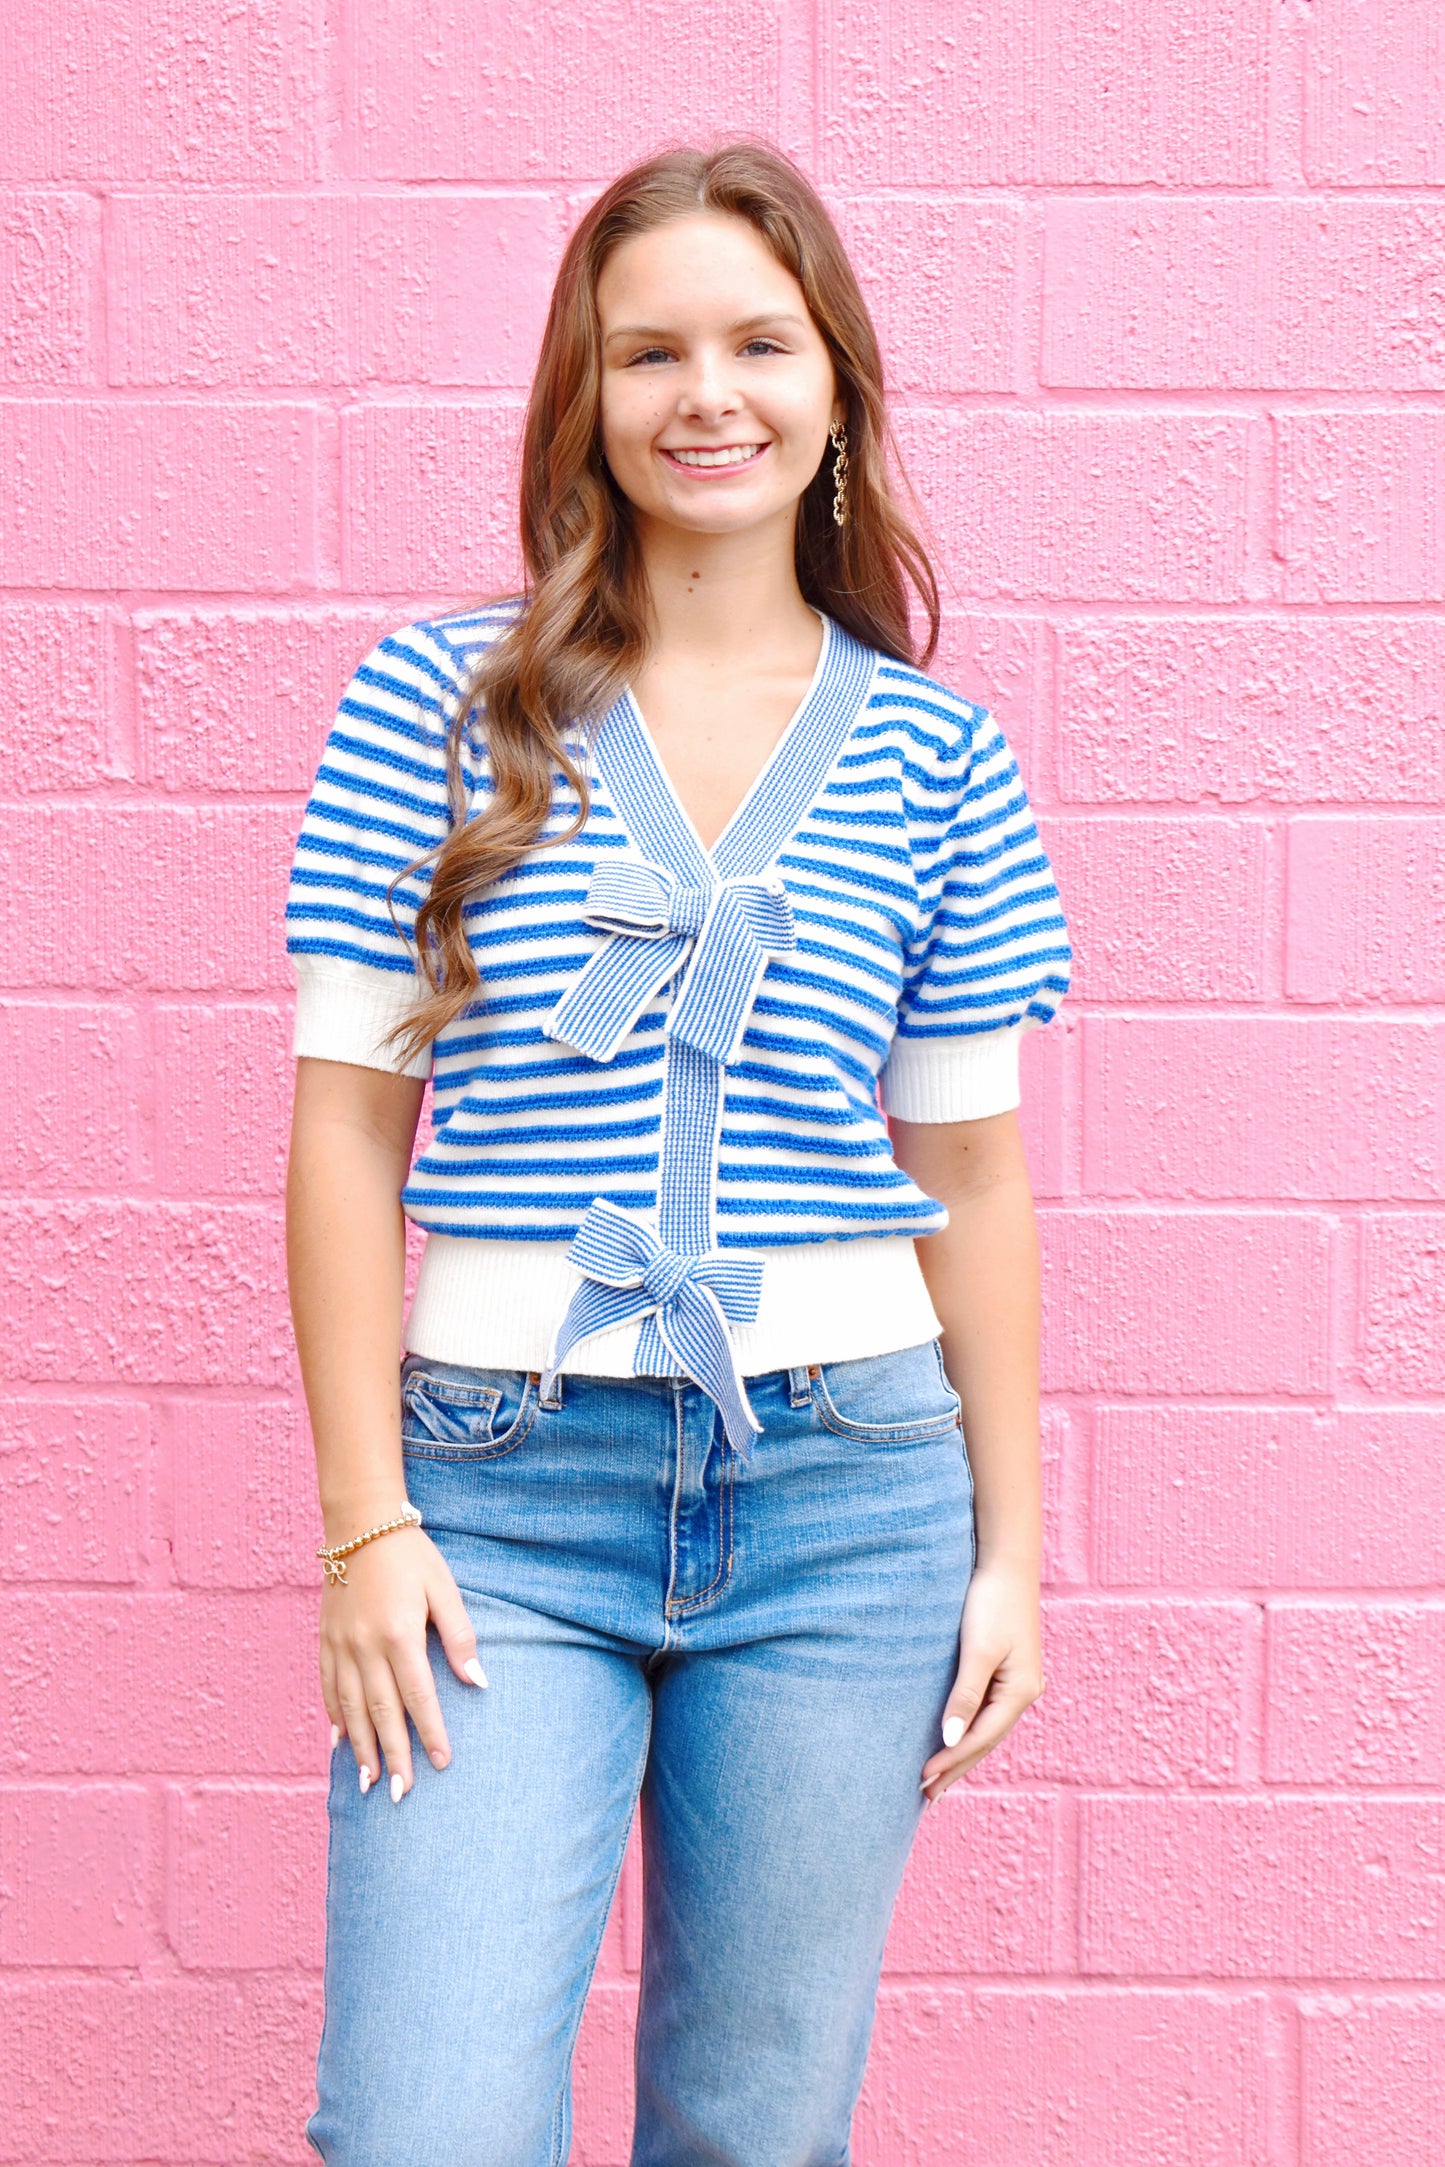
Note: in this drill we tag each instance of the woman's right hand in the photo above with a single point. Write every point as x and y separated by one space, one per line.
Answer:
374 1663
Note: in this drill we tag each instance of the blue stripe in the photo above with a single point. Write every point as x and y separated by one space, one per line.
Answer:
577 1166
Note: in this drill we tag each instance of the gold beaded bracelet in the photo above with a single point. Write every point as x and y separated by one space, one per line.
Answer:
333 1561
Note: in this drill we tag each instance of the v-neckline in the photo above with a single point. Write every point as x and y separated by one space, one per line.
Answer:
653 818
710 853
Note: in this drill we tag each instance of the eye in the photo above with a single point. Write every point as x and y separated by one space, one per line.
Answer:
646 351
772 345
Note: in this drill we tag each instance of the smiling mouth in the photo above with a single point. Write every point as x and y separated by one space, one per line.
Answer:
715 459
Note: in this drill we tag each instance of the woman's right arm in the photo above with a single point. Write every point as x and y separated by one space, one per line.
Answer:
351 1140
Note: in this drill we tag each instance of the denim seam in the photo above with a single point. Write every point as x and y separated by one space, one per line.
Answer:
678 1605
677 1443
326 1912
449 1394
880 1433
558 2159
863 1434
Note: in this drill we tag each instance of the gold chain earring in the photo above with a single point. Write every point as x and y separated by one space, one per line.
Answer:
839 436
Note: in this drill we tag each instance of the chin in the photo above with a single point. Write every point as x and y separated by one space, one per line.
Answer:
726 519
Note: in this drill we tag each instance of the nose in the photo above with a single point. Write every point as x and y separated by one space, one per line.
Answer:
708 392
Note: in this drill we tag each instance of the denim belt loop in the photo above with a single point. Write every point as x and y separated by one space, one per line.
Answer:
800 1387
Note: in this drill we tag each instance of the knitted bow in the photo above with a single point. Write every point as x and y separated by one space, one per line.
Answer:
628 1274
653 919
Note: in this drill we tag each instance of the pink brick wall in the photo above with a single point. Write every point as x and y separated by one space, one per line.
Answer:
1163 294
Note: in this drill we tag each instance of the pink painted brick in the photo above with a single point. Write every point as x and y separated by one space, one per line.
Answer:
231 700
153 493
70 1073
243 1502
1365 910
1263 1106
1139 1692
1001 663
1268 1887
602 2079
246 1876
161 1683
940 278
302 289
200 92
190 898
107 1292
1285 708
72 1473
74 1867
1064 1472
1361 505
1034 2076
1163 909
429 497
629 1903
1045 1072
1268 1497
1402 1302
58 694
1055 505
1185 1301
1356 1693
222 1073
1232 292
614 1952
984 1887
490 92
50 283
1372 2079
1067 95
189 2072
1374 104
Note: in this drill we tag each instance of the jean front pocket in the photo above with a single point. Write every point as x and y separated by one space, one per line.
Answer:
466 1415
888 1399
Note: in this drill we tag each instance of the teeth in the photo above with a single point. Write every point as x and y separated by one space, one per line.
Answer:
731 455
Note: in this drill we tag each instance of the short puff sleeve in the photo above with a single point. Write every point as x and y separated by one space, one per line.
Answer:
378 802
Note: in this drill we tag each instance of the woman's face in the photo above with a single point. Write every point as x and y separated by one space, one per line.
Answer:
708 349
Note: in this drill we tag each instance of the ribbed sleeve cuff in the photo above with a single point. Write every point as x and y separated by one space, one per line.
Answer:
344 1010
953 1079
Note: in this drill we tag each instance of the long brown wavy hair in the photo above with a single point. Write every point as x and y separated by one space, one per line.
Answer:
581 631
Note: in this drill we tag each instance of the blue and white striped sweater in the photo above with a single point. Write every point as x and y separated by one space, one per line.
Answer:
927 932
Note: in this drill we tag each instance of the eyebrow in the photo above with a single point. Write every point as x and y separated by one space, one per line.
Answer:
744 323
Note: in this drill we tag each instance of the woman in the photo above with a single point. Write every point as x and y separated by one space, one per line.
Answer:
696 1341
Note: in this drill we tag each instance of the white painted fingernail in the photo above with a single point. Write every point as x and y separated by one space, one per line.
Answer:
953 1729
335 1736
396 1788
474 1671
365 1779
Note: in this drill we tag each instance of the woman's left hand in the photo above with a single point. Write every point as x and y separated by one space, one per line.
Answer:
1000 1671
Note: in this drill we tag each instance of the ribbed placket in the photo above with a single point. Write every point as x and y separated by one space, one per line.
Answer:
700 1527
653 820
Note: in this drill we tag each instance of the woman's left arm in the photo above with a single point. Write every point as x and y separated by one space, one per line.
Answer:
982 1273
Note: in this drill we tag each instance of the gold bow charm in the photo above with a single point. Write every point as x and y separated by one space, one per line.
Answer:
333 1561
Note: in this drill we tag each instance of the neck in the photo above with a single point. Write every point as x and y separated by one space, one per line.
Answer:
711 597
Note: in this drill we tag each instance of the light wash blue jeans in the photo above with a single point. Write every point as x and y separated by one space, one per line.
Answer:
761 1652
